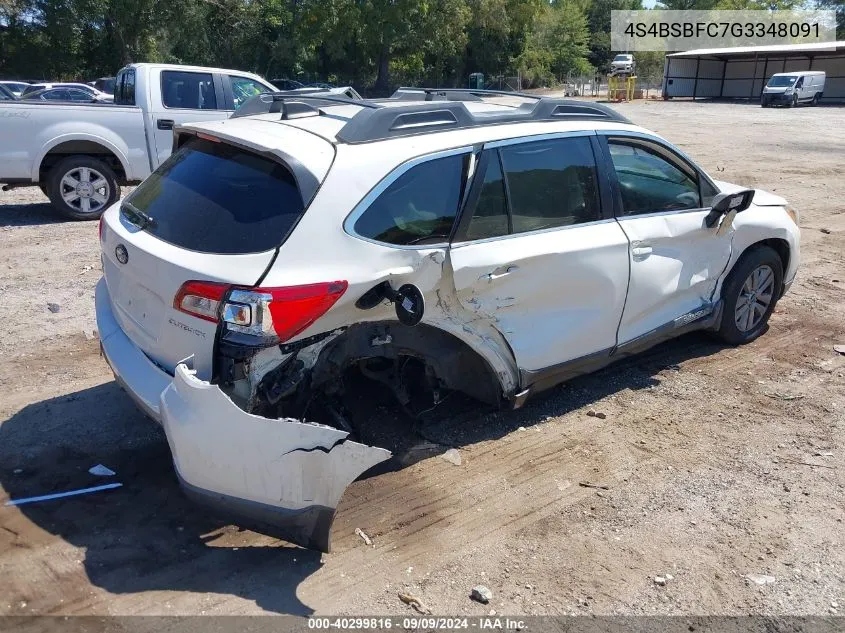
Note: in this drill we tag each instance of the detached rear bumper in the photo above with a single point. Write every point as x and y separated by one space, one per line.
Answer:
142 379
282 477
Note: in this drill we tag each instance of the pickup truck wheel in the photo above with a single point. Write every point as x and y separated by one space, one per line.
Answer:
750 295
81 187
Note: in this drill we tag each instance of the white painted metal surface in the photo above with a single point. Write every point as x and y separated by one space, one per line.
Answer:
283 464
676 262
780 48
557 295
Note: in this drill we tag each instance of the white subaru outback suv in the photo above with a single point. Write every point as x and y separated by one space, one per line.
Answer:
437 241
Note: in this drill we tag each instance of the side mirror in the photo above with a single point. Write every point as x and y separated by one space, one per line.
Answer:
725 203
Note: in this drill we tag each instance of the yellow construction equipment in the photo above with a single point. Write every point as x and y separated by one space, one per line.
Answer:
621 87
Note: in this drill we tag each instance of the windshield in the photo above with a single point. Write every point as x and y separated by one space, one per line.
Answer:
621 58
216 198
781 81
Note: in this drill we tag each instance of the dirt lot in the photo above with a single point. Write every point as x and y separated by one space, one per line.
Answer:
724 466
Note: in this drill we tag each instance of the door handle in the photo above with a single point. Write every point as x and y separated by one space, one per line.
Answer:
641 252
500 272
164 124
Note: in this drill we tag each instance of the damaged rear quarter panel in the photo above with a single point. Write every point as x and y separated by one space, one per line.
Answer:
284 476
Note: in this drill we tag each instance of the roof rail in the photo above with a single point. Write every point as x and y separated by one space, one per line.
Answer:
292 103
423 111
421 116
431 94
475 92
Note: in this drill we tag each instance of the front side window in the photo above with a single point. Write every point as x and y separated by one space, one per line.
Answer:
188 90
649 182
244 88
419 207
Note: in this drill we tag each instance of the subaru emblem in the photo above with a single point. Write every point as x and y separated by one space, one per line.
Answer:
121 253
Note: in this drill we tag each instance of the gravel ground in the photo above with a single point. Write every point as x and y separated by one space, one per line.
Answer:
723 466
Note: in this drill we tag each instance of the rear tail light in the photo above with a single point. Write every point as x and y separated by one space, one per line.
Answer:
200 299
274 314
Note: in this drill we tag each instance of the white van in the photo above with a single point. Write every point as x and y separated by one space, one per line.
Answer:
790 89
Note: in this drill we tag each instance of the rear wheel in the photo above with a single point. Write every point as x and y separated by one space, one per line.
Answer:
82 187
750 295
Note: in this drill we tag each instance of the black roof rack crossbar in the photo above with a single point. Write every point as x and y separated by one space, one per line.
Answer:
475 94
413 111
420 117
430 94
295 103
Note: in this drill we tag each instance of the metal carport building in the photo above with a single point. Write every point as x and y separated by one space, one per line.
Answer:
741 73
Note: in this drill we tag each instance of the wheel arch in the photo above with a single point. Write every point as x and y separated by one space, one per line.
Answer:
777 244
80 145
453 361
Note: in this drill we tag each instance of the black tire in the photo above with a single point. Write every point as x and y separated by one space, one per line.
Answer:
98 200
755 259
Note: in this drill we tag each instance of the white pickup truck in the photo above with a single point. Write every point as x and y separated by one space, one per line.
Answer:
80 154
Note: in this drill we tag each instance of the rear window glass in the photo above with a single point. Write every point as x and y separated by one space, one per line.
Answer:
216 198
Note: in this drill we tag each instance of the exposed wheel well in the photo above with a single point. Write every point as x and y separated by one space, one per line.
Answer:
87 148
452 361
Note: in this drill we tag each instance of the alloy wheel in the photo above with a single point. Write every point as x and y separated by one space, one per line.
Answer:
755 297
85 190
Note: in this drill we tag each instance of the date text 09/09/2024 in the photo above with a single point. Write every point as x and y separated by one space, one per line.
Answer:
416 623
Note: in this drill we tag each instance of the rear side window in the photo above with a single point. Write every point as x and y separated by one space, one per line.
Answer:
216 198
551 183
187 90
124 87
419 207
490 218
546 184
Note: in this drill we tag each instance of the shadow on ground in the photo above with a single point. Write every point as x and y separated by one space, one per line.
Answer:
33 214
147 536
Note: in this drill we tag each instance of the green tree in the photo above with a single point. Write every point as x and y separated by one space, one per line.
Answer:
839 7
558 44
